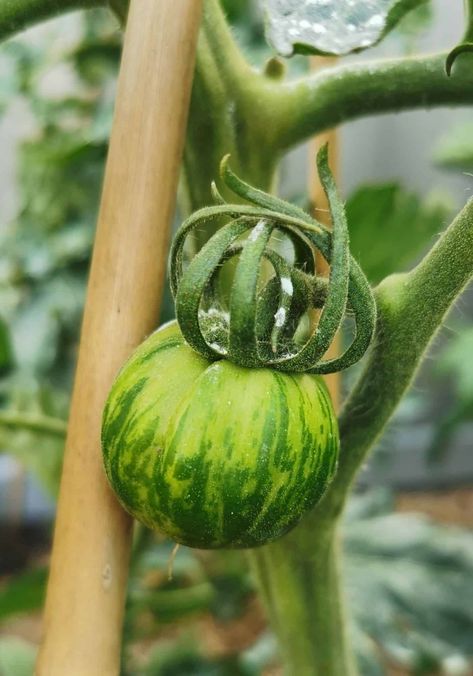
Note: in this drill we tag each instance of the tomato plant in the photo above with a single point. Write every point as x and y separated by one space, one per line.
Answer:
257 115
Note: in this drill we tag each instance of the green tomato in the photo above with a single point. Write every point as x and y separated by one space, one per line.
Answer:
213 454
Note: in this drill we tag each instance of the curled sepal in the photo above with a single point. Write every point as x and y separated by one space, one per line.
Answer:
455 53
264 257
466 43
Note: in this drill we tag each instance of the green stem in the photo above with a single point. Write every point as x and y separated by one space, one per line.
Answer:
223 116
300 583
34 423
468 36
411 309
17 15
298 574
297 110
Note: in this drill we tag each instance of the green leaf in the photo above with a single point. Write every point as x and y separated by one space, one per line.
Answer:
390 227
333 27
96 57
17 657
455 149
410 582
24 593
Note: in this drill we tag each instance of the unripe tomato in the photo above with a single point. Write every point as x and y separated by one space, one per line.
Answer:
213 454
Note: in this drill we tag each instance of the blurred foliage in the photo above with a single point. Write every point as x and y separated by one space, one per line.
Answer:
17 657
40 451
409 583
412 25
23 593
390 227
455 149
455 366
45 250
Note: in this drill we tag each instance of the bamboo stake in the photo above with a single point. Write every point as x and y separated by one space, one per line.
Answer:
85 598
320 205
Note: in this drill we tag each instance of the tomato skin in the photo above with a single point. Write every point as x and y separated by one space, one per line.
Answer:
213 454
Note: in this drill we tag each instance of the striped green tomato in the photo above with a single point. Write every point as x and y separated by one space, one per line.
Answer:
213 454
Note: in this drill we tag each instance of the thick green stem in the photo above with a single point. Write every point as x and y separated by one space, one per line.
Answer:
224 117
299 579
296 110
298 574
411 309
17 15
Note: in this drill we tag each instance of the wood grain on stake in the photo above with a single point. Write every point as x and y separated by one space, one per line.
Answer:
84 605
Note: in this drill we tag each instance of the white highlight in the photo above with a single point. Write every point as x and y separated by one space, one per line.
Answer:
217 348
376 21
257 231
280 317
286 285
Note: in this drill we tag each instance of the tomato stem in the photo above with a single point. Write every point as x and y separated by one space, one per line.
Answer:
299 579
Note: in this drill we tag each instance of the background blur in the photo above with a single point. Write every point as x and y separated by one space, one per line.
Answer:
404 177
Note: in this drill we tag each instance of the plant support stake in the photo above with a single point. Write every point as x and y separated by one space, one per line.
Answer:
86 591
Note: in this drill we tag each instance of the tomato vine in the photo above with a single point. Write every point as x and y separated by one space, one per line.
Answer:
257 118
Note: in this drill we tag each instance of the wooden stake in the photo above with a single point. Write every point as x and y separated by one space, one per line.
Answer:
319 200
87 584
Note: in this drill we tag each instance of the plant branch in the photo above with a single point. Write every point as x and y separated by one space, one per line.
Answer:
411 309
299 580
17 15
297 110
224 115
34 423
298 574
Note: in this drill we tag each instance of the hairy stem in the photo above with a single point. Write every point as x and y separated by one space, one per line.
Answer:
296 110
34 423
300 583
298 575
224 115
411 309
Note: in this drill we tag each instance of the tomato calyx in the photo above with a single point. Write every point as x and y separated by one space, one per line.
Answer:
264 323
